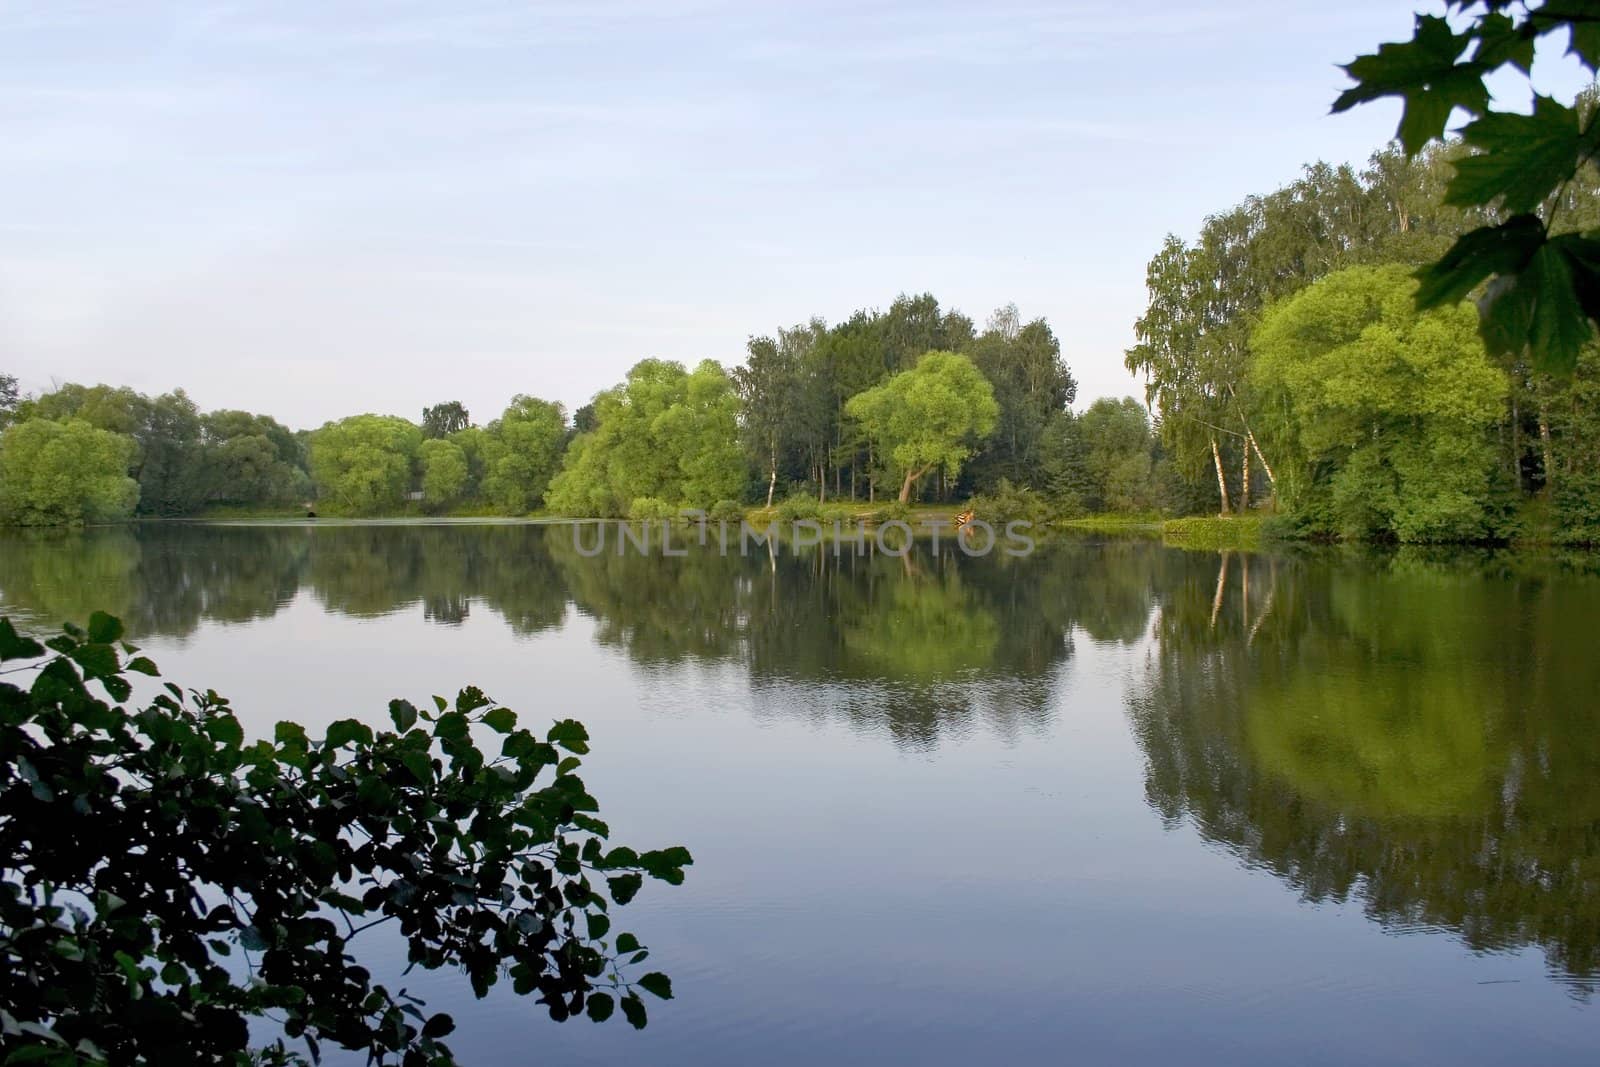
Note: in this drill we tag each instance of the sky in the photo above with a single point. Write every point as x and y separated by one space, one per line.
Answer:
314 209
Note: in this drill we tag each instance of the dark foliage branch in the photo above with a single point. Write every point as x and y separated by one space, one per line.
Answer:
1544 284
167 883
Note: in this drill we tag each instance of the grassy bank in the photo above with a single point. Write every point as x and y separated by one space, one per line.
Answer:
1148 523
1215 532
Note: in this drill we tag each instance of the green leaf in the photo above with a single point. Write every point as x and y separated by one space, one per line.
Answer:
657 983
1477 256
418 763
470 700
570 735
97 661
289 733
1585 43
1559 327
600 1006
633 1009
15 646
142 665
501 720
344 731
1520 157
103 628
404 714
438 1025
627 943
1424 73
599 924
1500 42
225 730
452 724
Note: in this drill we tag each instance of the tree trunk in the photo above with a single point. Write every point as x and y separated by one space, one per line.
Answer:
1222 480
772 479
1547 449
911 478
1244 477
1272 479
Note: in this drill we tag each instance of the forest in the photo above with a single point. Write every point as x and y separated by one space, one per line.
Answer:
1288 371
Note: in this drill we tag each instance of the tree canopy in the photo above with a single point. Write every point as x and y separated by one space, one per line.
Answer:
1545 291
665 434
365 461
65 473
927 418
1385 415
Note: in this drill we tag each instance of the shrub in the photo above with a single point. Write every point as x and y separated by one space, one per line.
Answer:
892 509
145 849
1010 503
725 511
798 507
843 514
651 509
1214 533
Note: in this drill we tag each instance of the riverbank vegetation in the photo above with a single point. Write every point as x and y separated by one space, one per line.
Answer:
1288 369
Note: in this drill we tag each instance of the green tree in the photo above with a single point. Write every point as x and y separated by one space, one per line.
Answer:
444 472
9 398
927 418
1118 456
365 462
702 432
1385 414
67 472
251 459
769 424
442 420
665 434
170 474
124 909
1546 277
1033 388
521 452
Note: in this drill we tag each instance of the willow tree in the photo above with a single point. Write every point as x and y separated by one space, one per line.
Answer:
927 418
1386 413
365 462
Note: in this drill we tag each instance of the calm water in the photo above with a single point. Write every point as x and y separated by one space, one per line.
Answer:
1111 802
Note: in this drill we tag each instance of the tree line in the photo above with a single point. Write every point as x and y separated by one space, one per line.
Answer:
910 404
1287 365
1285 352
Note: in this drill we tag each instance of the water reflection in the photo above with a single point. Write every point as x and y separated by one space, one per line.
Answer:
1414 733
1417 735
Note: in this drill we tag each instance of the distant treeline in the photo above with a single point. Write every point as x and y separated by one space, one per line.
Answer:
914 403
1285 361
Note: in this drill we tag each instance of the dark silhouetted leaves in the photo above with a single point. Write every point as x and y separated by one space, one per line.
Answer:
281 849
600 1006
1520 157
633 1009
657 983
1424 73
1544 296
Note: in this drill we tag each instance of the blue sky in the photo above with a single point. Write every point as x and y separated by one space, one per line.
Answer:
319 208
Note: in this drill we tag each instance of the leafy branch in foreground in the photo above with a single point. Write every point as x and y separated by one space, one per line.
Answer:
1546 284
166 883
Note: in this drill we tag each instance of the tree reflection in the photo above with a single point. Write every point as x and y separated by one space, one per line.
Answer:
919 646
1413 734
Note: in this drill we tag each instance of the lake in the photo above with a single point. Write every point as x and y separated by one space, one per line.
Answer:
1108 802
